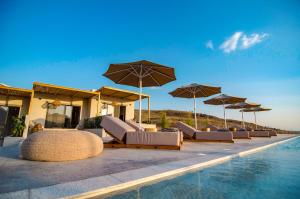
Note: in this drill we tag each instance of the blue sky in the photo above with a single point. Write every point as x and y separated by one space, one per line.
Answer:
249 48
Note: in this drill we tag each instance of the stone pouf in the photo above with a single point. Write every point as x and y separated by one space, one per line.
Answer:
61 146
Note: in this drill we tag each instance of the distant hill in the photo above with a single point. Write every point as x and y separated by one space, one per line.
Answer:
203 120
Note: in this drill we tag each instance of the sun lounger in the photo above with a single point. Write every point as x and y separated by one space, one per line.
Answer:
137 128
239 134
125 136
272 132
191 134
134 125
258 133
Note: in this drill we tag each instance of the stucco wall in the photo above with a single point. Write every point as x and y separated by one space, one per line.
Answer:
130 111
115 106
94 106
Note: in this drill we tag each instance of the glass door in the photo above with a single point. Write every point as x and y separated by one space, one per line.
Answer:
3 117
122 115
62 116
55 117
7 113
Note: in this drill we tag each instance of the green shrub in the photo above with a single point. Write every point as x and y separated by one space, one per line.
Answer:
18 126
164 121
189 122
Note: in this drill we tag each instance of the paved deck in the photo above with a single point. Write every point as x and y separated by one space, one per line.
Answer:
17 174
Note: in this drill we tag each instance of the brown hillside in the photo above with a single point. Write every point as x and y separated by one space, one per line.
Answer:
203 120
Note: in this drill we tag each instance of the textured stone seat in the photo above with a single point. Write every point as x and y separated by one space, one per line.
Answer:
61 145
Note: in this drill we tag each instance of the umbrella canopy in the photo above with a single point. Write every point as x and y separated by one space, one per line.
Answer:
242 105
222 100
195 91
140 74
254 110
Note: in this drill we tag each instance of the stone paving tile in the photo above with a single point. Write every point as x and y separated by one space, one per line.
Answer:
19 174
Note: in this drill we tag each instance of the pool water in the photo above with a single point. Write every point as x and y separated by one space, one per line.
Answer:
273 173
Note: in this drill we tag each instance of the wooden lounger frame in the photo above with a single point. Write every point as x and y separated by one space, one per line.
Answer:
261 136
194 140
249 138
188 138
116 143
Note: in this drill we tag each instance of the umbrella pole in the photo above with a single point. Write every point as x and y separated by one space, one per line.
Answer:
243 120
140 103
255 120
225 122
195 114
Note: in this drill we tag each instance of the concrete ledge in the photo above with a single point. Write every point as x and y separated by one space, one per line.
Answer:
119 181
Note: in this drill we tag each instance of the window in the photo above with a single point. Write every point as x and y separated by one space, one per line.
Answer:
62 116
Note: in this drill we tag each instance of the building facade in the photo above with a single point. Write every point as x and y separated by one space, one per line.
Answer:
55 106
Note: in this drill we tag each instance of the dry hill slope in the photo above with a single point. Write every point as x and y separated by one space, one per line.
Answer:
185 116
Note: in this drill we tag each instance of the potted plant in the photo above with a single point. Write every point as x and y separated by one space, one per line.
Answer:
18 126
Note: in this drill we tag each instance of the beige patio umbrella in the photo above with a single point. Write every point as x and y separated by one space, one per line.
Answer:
222 100
195 91
254 110
242 105
140 74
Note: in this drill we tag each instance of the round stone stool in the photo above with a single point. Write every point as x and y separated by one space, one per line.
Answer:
61 145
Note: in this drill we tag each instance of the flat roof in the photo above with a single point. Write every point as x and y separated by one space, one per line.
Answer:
61 90
12 91
120 93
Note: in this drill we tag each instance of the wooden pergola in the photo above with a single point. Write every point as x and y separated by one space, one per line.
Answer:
13 91
125 95
105 91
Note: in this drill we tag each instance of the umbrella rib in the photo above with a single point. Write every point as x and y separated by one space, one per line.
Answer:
111 73
135 71
118 82
148 71
155 80
155 71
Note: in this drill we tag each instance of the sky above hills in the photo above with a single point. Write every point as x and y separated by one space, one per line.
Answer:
249 48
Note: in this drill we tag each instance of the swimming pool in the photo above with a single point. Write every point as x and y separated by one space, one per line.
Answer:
273 173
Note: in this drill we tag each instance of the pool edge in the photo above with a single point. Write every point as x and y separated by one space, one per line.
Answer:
74 189
175 172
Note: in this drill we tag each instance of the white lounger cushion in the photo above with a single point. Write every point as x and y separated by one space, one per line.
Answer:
259 133
214 135
272 133
157 138
203 135
116 127
186 129
134 125
240 134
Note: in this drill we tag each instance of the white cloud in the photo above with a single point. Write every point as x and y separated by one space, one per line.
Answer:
209 45
252 40
239 40
231 43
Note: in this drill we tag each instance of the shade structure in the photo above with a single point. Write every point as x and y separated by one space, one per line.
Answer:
223 100
242 105
140 74
195 91
254 110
